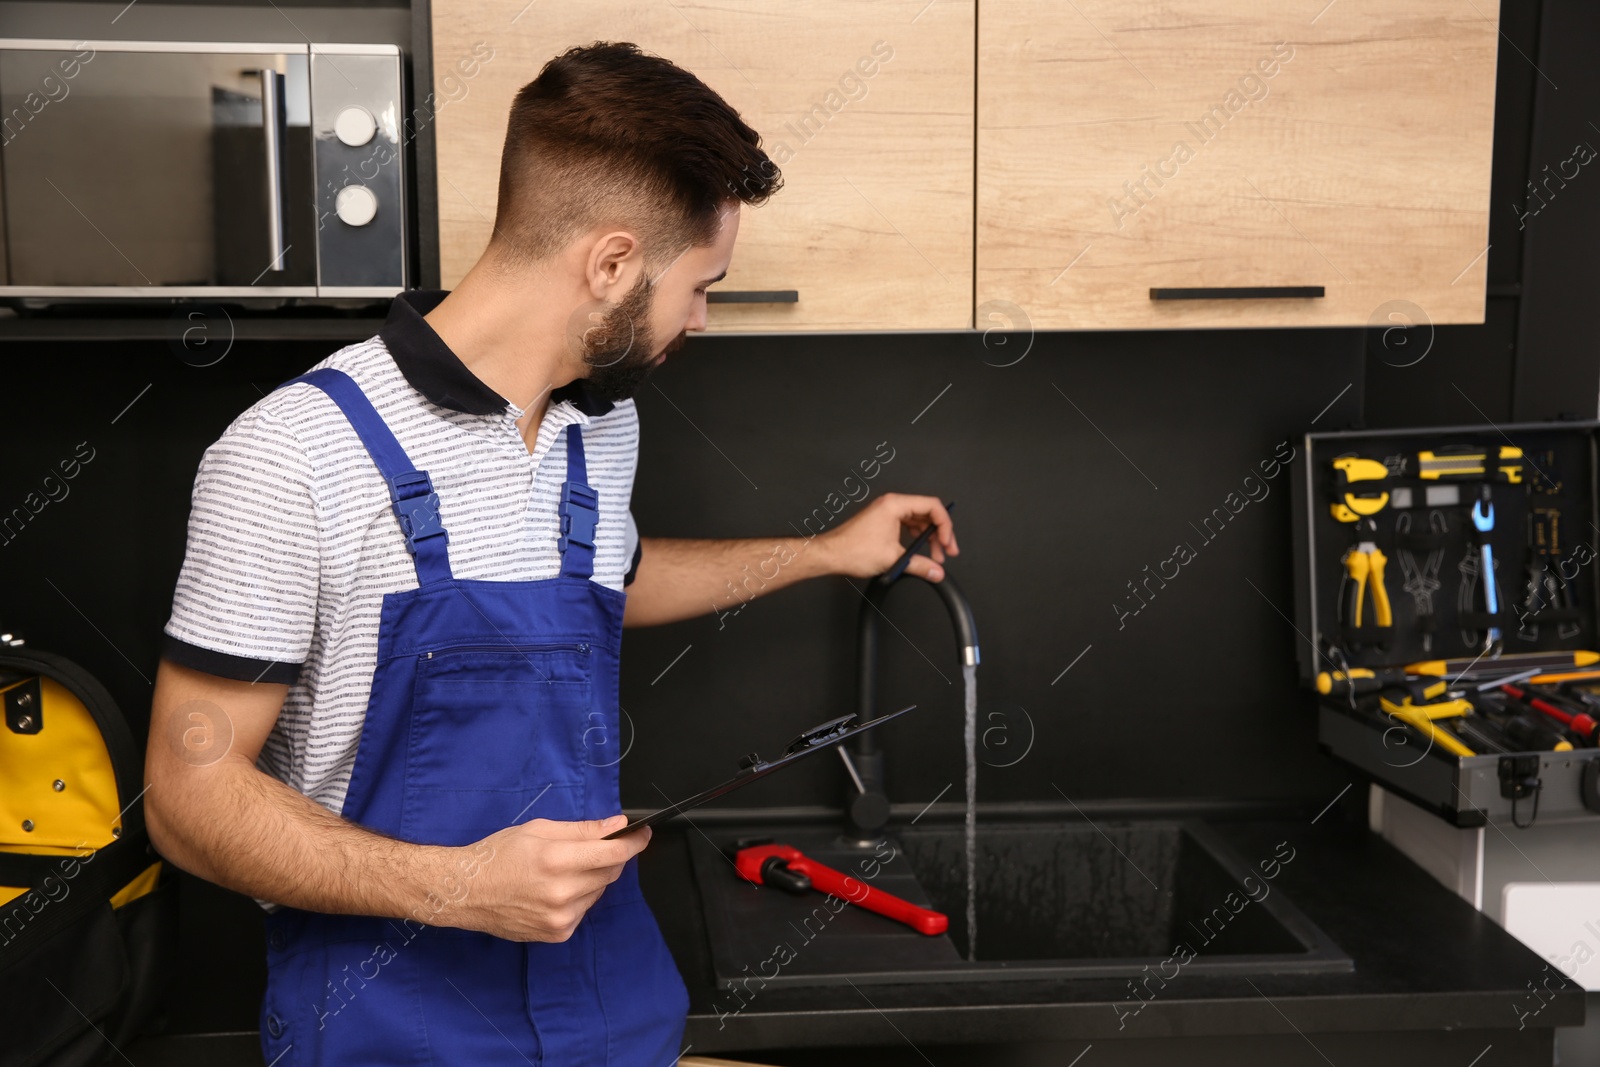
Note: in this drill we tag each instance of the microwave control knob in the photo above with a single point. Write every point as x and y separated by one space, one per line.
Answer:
355 205
355 126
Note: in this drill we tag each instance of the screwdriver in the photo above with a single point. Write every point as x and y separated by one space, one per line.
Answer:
1426 687
1524 730
1359 679
1581 723
1530 734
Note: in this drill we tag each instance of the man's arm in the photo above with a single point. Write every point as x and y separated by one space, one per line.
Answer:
216 815
680 578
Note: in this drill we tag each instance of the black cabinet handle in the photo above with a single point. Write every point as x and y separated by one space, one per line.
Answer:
753 296
1239 292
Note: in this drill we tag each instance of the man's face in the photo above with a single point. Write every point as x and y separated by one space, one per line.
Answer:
622 349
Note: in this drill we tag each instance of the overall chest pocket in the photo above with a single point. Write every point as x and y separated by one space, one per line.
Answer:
496 738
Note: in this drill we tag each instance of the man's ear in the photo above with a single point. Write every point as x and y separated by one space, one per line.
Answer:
613 264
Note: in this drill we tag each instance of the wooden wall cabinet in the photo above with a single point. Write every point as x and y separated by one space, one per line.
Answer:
1230 143
873 227
1120 148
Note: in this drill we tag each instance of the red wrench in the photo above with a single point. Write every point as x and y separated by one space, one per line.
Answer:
790 869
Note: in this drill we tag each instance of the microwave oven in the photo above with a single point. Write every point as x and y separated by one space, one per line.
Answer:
141 170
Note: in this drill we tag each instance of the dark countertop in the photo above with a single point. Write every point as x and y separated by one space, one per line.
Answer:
1425 960
1434 981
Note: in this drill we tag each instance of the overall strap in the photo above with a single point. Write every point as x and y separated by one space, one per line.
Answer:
580 512
416 505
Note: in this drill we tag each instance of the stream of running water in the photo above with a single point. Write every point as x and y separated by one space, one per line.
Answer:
969 675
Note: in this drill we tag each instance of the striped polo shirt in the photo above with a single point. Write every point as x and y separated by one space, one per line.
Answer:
292 542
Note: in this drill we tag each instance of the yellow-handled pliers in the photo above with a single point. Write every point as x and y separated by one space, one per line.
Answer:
1364 564
1420 717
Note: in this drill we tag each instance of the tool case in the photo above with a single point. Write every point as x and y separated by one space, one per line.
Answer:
1416 513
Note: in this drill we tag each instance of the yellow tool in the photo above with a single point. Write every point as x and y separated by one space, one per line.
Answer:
1351 506
1435 465
1564 666
1360 680
1569 676
1421 716
1364 564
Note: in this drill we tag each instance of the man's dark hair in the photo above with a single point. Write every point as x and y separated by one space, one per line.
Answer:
609 134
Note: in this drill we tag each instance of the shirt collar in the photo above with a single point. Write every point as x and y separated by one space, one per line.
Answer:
438 373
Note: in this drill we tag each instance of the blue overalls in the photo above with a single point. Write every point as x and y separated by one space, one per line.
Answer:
492 703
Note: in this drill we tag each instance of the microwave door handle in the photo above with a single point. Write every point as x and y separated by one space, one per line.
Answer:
272 119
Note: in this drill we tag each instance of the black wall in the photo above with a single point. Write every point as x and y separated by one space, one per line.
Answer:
1073 469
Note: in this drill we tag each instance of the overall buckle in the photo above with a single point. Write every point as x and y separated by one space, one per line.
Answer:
416 505
580 513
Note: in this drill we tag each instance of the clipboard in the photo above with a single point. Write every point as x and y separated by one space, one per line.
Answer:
752 768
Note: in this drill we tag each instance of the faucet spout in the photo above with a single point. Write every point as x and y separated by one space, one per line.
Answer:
867 806
960 610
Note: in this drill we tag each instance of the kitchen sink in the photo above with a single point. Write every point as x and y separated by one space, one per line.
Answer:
1055 899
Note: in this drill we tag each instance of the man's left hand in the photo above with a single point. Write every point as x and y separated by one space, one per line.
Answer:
869 543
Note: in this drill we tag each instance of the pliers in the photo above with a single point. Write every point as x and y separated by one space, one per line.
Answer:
1421 717
1364 565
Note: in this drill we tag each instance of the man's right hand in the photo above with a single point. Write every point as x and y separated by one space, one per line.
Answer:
536 881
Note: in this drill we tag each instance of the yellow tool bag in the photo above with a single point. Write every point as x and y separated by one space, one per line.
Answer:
87 912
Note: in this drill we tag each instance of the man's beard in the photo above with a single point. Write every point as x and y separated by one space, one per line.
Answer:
620 351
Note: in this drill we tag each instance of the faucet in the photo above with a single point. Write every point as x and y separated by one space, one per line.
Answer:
867 807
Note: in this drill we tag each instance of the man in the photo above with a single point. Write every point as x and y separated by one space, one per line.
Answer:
388 697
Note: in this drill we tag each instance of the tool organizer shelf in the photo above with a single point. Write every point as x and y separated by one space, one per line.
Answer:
1393 533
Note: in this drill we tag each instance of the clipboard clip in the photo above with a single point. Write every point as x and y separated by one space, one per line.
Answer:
752 767
820 734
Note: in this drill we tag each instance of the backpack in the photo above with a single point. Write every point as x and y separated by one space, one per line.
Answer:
88 914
